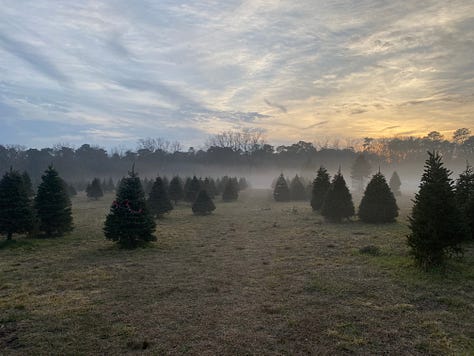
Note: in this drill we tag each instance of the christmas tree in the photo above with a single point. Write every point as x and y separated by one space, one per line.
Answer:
16 213
231 190
209 186
28 185
297 189
320 188
359 171
203 205
395 184
464 193
243 184
378 205
281 191
437 226
338 202
175 190
129 222
94 189
193 188
53 206
158 200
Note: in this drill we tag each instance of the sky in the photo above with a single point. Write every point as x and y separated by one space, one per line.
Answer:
111 72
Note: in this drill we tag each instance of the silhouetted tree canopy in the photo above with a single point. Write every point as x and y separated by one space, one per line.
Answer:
378 205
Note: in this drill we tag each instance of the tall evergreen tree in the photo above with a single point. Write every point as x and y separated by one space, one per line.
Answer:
464 192
203 205
192 190
378 205
281 191
28 185
94 189
158 200
395 184
360 170
297 189
320 188
231 190
436 224
175 190
16 213
129 221
338 202
53 206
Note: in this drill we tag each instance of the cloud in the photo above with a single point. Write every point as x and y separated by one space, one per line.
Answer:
275 105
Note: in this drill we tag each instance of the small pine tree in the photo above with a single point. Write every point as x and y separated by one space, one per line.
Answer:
436 224
193 189
359 171
297 189
231 190
175 190
16 213
129 222
464 192
53 205
28 185
395 184
243 184
338 201
320 188
94 189
207 186
203 205
378 205
281 191
166 183
158 200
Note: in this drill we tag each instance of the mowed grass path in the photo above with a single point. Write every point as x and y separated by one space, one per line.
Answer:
255 277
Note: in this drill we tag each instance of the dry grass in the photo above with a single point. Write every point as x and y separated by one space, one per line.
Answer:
255 277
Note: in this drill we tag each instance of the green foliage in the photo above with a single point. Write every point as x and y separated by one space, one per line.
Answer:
203 204
28 185
395 184
231 190
175 190
297 189
209 185
437 226
378 205
158 200
192 188
94 189
281 191
16 213
338 202
53 206
464 193
320 188
129 222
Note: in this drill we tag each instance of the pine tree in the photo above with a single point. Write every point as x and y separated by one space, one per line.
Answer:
158 200
378 205
166 183
338 202
53 206
281 191
359 171
94 189
175 190
193 189
395 184
243 184
129 222
231 190
207 186
320 188
464 193
16 212
436 224
297 189
28 185
203 205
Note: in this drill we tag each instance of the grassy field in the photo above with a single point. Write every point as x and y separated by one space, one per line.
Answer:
255 277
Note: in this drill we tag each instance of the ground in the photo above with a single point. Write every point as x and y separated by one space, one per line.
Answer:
255 277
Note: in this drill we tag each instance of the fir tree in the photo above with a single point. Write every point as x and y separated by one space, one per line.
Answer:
207 185
359 171
436 224
395 184
297 189
338 201
281 191
231 190
129 222
320 188
147 185
378 205
28 185
193 189
94 189
166 183
158 200
175 190
203 205
464 193
16 213
53 206
243 184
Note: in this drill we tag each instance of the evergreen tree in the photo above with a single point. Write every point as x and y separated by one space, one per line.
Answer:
218 186
243 184
281 191
208 187
175 190
320 188
378 205
395 184
192 190
203 205
28 185
129 222
231 190
110 187
338 202
359 171
94 189
464 192
297 189
53 206
16 213
166 183
158 200
436 224
147 185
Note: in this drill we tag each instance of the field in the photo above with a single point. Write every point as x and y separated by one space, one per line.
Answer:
255 277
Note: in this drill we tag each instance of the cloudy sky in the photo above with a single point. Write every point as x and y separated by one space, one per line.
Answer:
111 72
